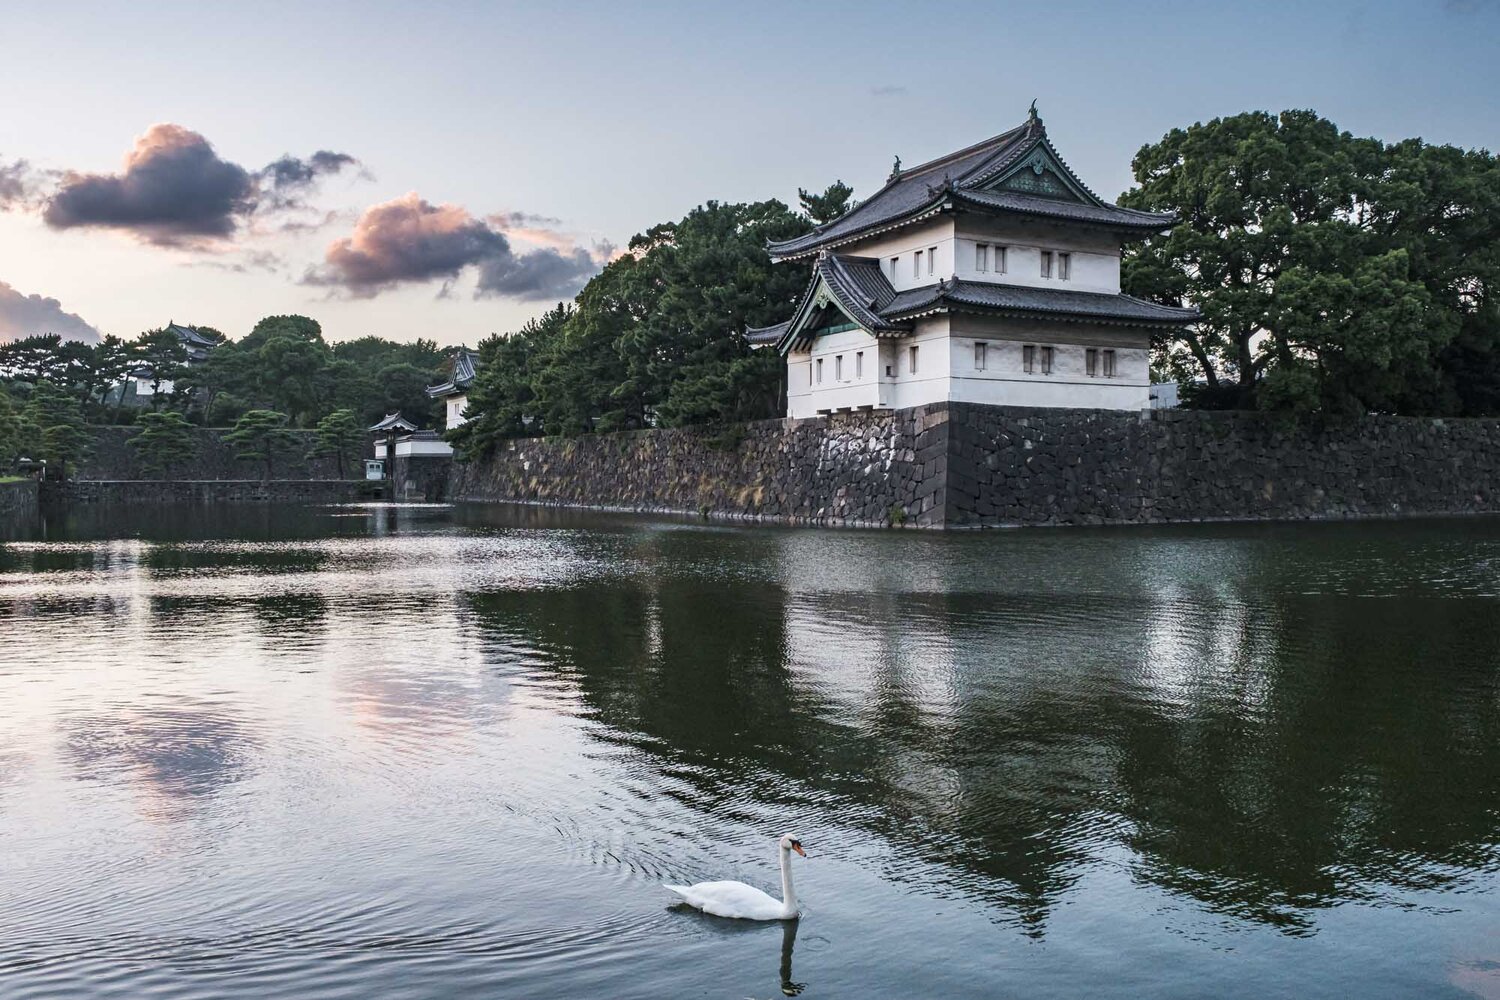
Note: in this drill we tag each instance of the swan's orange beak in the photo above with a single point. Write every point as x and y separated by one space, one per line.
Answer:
798 848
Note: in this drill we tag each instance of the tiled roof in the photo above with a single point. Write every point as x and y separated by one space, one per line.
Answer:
190 336
393 420
465 365
1031 204
759 336
865 295
861 288
986 296
921 190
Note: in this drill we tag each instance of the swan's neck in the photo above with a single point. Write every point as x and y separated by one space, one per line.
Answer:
788 894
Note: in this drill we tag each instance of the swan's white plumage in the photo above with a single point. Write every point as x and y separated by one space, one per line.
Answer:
732 899
745 902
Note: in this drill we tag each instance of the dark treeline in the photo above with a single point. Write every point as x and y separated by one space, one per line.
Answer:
281 373
1334 273
655 339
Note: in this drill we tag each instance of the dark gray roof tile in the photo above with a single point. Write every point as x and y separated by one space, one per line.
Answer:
1018 299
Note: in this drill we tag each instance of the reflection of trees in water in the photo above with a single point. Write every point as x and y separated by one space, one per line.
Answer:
1372 762
175 755
1267 761
290 616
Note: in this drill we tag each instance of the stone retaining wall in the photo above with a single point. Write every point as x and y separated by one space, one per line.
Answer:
1041 466
154 491
850 469
965 465
18 497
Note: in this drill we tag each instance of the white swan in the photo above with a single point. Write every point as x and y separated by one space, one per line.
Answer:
745 902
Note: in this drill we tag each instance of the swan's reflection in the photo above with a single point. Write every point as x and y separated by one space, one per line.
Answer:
788 941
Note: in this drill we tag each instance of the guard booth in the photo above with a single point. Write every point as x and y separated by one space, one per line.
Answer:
374 469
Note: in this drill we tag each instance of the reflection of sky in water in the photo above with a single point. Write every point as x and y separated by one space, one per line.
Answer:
458 749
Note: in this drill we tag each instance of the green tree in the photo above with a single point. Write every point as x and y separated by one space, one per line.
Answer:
259 436
59 432
339 434
1333 272
290 370
163 353
825 207
229 370
15 434
502 403
164 441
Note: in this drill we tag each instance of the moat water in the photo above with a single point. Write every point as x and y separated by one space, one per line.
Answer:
454 752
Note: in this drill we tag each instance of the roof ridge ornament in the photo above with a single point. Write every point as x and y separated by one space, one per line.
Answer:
895 170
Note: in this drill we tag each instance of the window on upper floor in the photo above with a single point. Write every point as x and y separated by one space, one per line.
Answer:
912 362
1046 263
931 259
859 364
1109 363
895 262
819 364
980 350
1064 266
1047 353
1028 358
1091 361
916 264
981 256
1000 256
809 373
838 368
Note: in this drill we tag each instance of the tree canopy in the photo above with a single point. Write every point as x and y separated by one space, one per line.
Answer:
259 436
1334 273
655 339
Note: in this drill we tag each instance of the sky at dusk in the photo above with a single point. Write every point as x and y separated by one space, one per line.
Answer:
450 170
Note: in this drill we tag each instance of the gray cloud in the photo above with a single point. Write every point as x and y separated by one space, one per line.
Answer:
409 239
17 183
175 190
286 181
27 315
538 275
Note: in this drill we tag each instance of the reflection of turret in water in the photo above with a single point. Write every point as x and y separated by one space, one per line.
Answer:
788 941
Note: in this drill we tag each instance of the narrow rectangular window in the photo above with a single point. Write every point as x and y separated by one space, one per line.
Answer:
931 258
916 264
838 368
820 371
859 364
890 371
1109 364
981 256
1091 361
1046 263
1046 361
980 349
894 262
1000 260
1028 358
1064 266
912 366
809 373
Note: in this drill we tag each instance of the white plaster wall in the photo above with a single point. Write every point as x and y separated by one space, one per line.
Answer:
806 396
1096 256
903 244
423 448
1004 380
454 408
930 382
